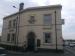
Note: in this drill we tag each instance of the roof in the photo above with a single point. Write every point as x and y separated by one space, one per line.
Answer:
36 8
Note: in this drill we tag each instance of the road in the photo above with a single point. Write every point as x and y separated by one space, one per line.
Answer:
36 54
67 52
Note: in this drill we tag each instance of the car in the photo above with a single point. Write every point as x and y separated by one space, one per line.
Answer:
72 45
2 51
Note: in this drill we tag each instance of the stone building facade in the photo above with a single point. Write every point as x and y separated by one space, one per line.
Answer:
34 28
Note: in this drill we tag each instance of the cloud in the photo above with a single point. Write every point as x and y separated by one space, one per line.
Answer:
69 16
69 35
68 10
6 8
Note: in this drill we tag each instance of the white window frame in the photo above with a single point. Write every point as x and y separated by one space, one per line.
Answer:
49 21
13 41
14 23
44 37
9 37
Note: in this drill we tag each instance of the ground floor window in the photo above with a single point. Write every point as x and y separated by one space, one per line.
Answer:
13 38
8 37
47 37
38 42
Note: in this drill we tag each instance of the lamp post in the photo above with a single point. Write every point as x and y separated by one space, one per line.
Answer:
17 26
56 30
18 21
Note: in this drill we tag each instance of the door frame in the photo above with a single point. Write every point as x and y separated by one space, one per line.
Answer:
32 36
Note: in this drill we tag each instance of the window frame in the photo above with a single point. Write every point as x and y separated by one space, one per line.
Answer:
8 37
13 39
14 23
49 21
49 37
10 24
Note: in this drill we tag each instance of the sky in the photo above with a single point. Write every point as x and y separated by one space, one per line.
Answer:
68 12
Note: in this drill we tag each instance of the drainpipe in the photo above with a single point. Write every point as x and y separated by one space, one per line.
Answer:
17 27
56 30
21 6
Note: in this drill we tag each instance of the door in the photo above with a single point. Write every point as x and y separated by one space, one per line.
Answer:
31 41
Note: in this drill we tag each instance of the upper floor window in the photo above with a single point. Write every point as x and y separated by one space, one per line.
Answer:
0 38
47 19
8 37
47 37
10 24
14 23
32 19
13 38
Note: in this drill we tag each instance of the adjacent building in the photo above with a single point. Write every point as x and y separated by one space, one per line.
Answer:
69 42
34 28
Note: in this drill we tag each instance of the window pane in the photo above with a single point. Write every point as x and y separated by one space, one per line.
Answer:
9 25
14 23
47 37
47 19
8 37
13 39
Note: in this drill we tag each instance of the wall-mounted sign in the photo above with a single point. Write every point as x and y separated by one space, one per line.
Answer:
62 21
31 20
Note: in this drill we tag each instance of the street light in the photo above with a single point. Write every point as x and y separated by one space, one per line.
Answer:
56 30
62 22
14 6
17 27
18 20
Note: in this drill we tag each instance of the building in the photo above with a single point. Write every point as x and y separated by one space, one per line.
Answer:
69 42
0 38
34 28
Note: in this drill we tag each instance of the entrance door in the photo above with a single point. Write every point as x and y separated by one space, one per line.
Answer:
31 41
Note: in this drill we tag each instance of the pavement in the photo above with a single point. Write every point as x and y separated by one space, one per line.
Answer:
15 52
71 50
33 53
67 52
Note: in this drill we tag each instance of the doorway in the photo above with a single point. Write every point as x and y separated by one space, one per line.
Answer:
31 41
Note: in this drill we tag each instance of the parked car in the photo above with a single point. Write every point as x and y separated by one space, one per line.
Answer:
2 51
72 45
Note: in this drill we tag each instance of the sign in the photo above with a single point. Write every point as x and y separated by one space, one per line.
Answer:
62 21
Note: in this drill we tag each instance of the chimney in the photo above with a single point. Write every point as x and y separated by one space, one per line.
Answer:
21 6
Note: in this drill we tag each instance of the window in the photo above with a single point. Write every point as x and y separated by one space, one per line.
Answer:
9 25
38 42
14 23
0 38
13 39
47 19
32 19
47 37
8 37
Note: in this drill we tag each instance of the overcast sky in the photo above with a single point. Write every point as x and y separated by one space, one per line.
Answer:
68 12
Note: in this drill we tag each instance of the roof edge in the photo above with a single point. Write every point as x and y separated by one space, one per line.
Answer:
34 8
